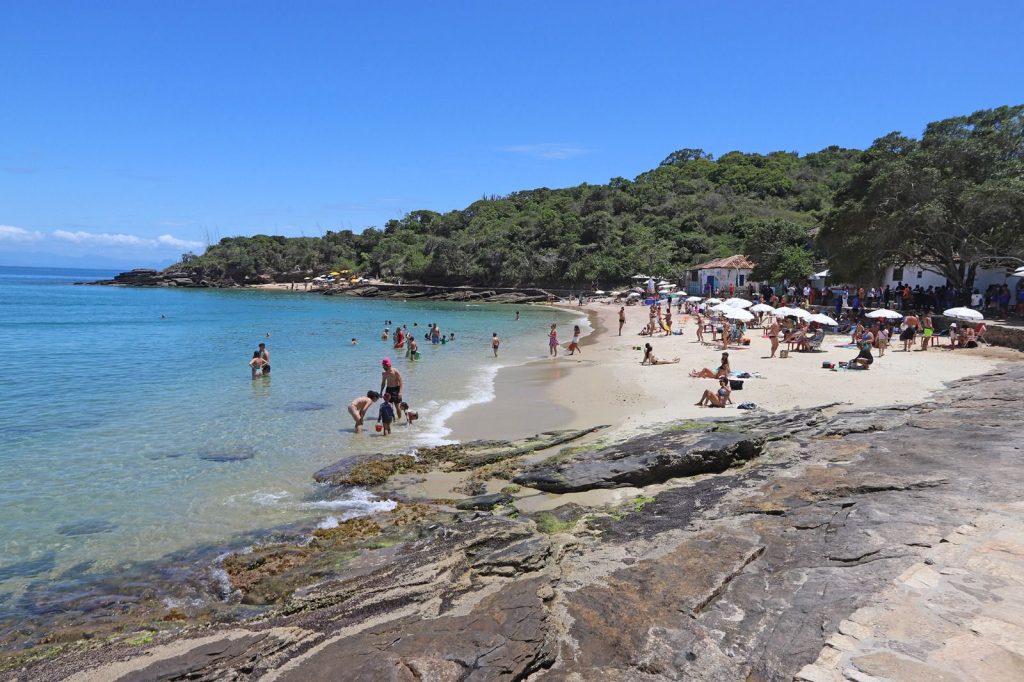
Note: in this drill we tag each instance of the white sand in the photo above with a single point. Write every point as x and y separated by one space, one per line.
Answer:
607 384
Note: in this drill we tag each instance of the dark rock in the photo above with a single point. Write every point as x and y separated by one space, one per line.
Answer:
227 455
643 461
86 527
305 406
29 567
484 502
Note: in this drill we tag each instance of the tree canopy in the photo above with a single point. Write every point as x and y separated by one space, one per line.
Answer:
953 200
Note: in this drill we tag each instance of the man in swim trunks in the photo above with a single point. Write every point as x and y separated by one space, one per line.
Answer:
622 318
391 384
265 355
908 334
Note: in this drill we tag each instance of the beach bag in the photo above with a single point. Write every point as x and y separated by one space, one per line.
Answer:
828 365
746 406
736 384
783 353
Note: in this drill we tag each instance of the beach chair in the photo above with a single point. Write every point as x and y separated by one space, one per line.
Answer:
814 343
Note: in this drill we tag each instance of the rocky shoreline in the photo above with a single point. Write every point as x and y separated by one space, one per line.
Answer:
758 547
148 278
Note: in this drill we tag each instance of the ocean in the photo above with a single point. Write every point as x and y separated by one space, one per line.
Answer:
130 427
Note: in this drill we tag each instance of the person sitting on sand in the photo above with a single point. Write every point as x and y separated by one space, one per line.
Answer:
719 398
358 407
650 359
864 357
721 372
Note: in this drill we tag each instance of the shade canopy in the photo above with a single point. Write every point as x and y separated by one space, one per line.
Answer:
964 314
694 299
739 302
884 313
798 313
738 314
762 308
822 318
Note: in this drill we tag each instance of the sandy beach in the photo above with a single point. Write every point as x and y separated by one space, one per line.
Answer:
606 384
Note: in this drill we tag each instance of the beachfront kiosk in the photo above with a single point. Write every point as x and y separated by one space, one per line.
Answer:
718 274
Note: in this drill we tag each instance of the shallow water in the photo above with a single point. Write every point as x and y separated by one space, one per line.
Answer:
125 436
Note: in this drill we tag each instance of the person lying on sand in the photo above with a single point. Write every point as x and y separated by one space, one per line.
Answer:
721 371
719 398
650 359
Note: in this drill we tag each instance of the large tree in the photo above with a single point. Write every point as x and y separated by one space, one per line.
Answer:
952 201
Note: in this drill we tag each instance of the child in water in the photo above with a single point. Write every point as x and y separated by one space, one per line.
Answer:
386 415
410 417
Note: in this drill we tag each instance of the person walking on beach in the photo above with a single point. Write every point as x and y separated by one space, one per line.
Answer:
265 355
622 318
574 345
495 342
553 341
361 405
391 383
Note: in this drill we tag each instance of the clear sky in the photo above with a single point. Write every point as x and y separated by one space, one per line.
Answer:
132 131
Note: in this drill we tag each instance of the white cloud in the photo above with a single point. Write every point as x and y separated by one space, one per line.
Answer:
168 240
102 238
10 233
547 151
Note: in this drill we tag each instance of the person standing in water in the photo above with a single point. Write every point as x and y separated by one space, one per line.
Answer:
391 383
622 318
495 342
265 355
256 364
413 349
553 341
361 405
517 316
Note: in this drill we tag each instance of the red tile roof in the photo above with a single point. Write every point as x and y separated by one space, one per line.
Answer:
732 262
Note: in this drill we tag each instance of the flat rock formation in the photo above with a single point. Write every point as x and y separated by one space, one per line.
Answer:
882 544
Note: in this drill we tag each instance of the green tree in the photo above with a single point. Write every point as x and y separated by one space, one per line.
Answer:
953 200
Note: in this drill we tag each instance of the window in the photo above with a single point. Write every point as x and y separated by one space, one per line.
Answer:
694 276
920 274
897 274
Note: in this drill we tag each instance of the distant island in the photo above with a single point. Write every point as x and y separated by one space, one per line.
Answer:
953 199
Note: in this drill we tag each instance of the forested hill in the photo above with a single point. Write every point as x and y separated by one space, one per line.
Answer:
688 209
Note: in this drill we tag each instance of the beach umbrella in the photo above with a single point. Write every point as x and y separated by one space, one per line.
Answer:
884 313
694 299
822 318
821 275
738 314
713 301
964 314
1019 272
739 302
798 313
633 294
762 308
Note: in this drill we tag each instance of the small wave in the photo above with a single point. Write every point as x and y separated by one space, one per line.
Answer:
329 522
270 499
356 502
433 431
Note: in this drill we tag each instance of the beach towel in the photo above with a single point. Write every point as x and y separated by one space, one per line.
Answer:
846 345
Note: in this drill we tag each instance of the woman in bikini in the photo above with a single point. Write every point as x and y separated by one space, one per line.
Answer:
553 341
719 398
721 372
650 359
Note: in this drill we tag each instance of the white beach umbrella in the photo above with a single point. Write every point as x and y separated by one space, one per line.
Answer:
884 313
633 294
694 299
598 293
713 301
762 308
798 313
964 314
738 314
639 276
722 307
822 318
1019 272
739 302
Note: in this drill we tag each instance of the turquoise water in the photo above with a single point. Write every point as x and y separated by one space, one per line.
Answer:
107 410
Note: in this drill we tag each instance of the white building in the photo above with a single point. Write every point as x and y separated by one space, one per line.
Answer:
717 275
916 274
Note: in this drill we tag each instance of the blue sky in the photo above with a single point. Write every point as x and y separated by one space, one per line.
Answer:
132 131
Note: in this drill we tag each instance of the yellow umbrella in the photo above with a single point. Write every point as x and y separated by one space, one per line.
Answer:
335 274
